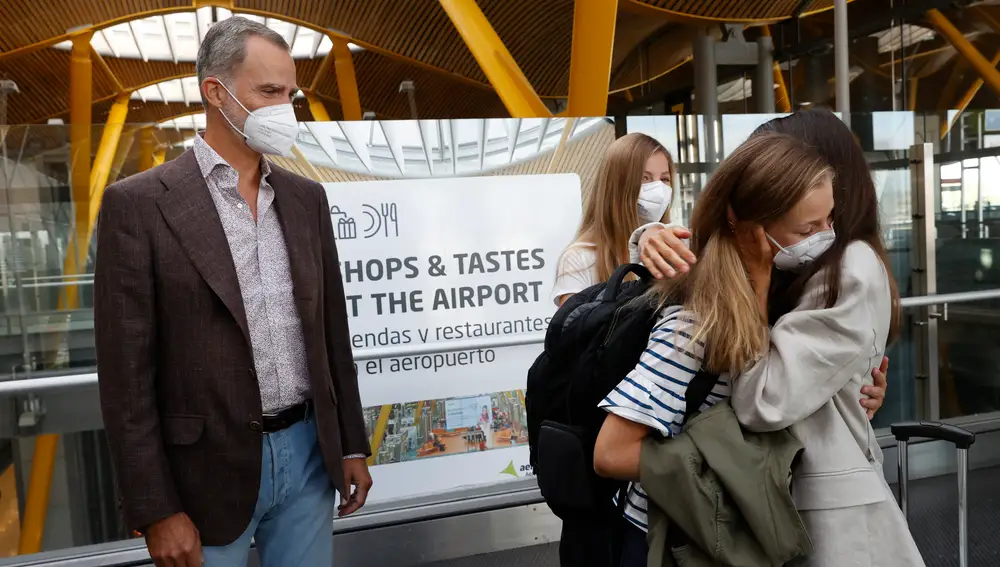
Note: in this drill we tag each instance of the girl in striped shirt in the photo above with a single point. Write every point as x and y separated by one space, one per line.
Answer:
772 181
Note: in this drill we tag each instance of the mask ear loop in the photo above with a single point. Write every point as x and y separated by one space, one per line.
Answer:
233 126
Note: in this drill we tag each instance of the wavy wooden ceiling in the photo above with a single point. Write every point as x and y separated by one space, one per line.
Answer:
412 40
403 40
739 10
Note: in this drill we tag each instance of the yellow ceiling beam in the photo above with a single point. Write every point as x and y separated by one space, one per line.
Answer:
641 7
658 76
310 169
317 108
496 62
129 89
966 100
347 81
590 65
107 70
983 68
323 68
14 53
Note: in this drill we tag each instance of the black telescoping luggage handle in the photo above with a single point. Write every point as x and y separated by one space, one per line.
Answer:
935 430
619 275
963 440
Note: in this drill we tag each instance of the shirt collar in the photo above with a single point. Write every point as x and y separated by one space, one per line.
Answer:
208 159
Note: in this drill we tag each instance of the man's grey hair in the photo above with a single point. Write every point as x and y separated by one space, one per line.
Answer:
225 47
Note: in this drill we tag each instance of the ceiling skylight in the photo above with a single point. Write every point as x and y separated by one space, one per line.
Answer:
423 148
177 37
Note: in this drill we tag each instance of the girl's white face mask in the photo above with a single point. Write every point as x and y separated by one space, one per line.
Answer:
801 254
654 200
269 129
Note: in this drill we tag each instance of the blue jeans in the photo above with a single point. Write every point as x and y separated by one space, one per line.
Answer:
292 524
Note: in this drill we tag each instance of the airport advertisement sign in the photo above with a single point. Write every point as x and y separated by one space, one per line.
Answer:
462 260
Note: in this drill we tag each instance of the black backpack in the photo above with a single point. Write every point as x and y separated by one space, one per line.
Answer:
594 340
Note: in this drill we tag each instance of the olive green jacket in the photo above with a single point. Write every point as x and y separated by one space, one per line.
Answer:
728 490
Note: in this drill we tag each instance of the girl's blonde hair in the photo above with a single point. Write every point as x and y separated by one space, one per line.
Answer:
611 209
758 183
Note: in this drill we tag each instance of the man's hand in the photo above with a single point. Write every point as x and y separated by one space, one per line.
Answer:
663 253
174 542
876 392
355 475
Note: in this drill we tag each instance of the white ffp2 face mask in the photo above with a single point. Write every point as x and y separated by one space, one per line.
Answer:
269 129
800 255
654 200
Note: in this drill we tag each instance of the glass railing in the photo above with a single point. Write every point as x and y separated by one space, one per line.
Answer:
46 317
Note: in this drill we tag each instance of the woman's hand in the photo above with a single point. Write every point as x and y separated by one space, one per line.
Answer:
663 252
876 392
758 259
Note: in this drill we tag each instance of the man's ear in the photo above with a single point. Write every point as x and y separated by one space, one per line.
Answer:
213 92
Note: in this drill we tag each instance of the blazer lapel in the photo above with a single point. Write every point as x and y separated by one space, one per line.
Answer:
190 212
296 225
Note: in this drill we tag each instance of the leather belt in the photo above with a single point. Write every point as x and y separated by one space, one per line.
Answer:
285 418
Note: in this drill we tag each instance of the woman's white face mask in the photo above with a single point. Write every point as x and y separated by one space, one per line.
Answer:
269 129
654 200
800 255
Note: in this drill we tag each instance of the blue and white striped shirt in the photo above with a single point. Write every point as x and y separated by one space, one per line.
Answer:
653 392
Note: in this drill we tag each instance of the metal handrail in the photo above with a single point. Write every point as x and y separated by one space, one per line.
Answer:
946 298
33 385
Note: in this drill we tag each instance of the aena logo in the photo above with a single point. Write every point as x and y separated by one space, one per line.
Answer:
516 472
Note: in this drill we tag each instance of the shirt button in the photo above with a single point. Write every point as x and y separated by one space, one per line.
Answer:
255 426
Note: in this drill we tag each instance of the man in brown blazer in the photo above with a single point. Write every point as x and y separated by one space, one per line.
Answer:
228 389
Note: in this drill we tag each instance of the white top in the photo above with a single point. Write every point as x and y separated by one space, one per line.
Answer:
810 381
633 241
576 271
653 392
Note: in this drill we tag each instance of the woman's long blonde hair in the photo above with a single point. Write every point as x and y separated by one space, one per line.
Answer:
611 210
758 183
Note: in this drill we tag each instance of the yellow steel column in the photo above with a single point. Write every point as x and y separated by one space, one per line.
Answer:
961 44
80 105
496 62
781 100
307 166
37 500
159 156
76 257
347 82
317 107
966 100
122 153
81 100
911 103
557 153
105 155
590 66
379 433
146 148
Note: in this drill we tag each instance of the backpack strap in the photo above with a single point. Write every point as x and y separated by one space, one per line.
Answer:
697 392
619 275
